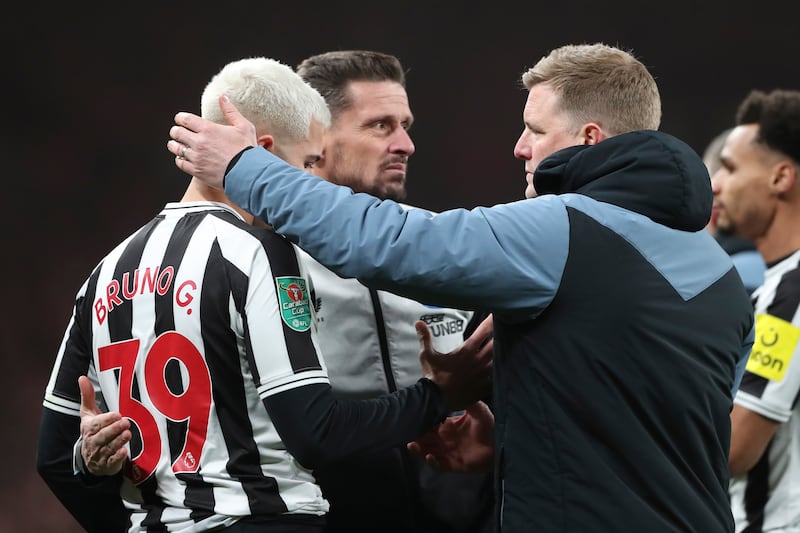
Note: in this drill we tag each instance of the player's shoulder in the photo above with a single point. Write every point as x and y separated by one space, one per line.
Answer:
782 279
790 277
257 230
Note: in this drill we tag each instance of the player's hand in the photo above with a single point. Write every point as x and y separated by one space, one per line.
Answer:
204 149
461 443
464 374
104 435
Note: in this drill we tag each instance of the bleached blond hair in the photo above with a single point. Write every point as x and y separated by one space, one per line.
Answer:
269 94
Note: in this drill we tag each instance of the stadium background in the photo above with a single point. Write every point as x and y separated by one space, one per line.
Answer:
90 91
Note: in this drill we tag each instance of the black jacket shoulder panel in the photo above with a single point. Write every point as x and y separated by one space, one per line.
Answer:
647 172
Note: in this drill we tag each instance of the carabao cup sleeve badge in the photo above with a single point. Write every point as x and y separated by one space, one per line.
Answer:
294 302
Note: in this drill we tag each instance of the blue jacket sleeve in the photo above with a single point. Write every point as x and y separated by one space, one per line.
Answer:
751 268
508 258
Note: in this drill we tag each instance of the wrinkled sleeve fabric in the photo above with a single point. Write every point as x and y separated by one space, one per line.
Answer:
741 366
333 430
750 266
97 507
508 258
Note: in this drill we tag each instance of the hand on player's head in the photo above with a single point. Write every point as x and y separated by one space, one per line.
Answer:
204 149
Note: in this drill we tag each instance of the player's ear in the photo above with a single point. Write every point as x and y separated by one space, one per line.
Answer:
266 142
784 176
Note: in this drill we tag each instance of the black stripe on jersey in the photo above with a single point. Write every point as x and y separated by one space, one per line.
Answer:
120 322
784 306
78 351
786 302
229 387
283 262
165 321
153 505
199 495
753 384
173 255
787 296
120 319
756 494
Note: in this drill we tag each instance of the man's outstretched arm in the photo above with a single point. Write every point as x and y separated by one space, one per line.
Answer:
510 255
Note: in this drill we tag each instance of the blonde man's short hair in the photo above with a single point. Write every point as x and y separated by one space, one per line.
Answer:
602 84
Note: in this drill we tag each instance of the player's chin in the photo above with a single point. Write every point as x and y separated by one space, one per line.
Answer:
394 185
393 191
398 194
724 225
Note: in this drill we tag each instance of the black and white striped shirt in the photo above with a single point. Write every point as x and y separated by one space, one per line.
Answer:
767 498
185 328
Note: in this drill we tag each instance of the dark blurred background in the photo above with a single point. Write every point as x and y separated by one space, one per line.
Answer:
90 93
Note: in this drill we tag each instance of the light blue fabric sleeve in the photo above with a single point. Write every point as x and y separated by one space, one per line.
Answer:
508 258
751 268
740 367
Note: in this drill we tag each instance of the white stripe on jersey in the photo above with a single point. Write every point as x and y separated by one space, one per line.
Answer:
265 320
241 270
775 480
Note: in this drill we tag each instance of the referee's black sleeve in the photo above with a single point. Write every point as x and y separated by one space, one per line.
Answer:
319 429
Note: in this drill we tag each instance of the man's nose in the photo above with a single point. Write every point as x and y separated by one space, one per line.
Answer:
521 148
402 143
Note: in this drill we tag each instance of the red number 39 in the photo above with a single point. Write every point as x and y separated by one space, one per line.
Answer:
193 405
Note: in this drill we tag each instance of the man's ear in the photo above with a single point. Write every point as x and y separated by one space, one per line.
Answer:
320 163
784 176
591 133
266 142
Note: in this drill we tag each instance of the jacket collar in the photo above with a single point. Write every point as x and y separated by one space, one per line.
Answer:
648 172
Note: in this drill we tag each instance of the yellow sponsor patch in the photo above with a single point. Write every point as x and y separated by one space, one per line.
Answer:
776 341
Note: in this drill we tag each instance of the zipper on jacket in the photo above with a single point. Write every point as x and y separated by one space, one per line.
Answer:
380 326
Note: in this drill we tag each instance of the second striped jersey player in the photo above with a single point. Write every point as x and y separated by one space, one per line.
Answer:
767 497
757 195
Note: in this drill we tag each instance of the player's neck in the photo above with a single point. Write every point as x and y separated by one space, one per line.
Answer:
197 191
782 237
